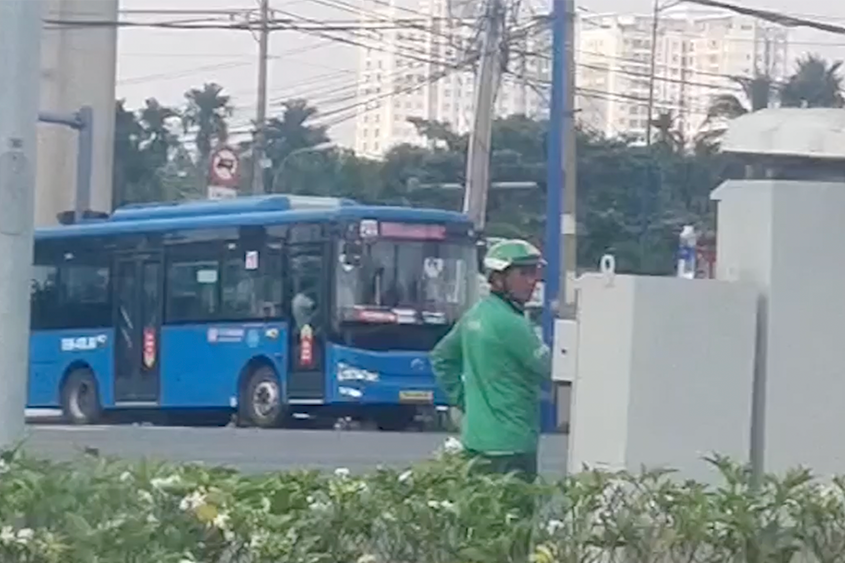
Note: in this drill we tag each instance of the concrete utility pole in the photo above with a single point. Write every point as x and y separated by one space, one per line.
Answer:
569 221
478 156
20 51
650 114
261 110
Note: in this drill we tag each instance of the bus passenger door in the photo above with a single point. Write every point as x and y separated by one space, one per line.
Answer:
307 296
138 310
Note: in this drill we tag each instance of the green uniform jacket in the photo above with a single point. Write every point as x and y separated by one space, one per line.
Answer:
492 367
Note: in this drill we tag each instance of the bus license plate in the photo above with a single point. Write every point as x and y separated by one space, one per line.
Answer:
416 396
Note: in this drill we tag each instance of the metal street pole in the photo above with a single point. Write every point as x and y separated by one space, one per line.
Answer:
20 51
261 111
555 181
555 176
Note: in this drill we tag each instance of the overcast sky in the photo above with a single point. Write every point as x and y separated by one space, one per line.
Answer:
164 64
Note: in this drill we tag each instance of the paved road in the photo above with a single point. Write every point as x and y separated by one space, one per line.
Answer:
255 450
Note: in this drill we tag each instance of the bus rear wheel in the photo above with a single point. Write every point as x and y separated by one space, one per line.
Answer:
81 398
261 402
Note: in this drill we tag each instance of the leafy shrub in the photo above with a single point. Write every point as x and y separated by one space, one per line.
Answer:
442 511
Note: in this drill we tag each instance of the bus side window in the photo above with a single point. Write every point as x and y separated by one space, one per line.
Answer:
273 274
44 299
241 295
192 290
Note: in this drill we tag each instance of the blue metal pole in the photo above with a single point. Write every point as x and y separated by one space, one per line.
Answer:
554 190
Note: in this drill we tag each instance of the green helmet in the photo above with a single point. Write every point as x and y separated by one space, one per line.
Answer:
514 252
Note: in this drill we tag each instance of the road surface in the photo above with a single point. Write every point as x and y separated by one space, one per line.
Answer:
256 450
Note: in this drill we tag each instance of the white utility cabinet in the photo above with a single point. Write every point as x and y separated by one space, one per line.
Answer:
664 373
786 238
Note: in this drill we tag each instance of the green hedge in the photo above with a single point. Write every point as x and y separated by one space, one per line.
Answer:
442 511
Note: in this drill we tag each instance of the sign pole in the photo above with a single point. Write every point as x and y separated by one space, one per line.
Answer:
20 45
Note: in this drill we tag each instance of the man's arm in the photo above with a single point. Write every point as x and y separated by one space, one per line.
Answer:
447 362
530 351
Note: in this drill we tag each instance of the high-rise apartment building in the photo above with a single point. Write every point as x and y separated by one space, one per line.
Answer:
697 56
425 70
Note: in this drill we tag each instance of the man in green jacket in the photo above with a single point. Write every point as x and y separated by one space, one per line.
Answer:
492 365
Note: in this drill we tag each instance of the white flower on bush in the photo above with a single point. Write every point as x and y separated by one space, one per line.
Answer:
317 505
341 472
453 445
221 521
113 523
442 505
193 501
24 536
258 540
145 496
152 519
553 526
7 535
162 483
4 466
125 477
405 476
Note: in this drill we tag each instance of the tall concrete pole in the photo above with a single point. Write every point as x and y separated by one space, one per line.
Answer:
478 155
655 22
569 219
261 108
20 53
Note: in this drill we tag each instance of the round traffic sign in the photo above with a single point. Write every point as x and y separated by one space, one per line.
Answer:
224 168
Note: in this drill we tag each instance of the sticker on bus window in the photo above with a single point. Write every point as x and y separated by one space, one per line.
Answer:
251 260
206 276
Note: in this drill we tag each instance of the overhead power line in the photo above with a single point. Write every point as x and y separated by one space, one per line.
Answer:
775 17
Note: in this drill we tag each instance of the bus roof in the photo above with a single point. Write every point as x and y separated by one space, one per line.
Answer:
244 211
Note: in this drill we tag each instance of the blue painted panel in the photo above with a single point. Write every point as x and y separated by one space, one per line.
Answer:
201 364
52 352
377 377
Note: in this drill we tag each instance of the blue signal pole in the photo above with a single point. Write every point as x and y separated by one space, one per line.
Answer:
555 179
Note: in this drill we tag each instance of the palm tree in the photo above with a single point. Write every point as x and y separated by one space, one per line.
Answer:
815 84
668 135
758 91
207 112
292 131
159 138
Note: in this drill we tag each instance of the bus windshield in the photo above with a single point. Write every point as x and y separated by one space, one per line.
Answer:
408 282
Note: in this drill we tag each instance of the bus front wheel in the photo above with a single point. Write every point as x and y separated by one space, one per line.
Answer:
261 402
81 398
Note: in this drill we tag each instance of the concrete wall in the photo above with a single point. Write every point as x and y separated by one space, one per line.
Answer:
664 377
785 238
78 67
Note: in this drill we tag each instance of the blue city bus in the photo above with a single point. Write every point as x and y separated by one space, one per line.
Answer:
259 306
